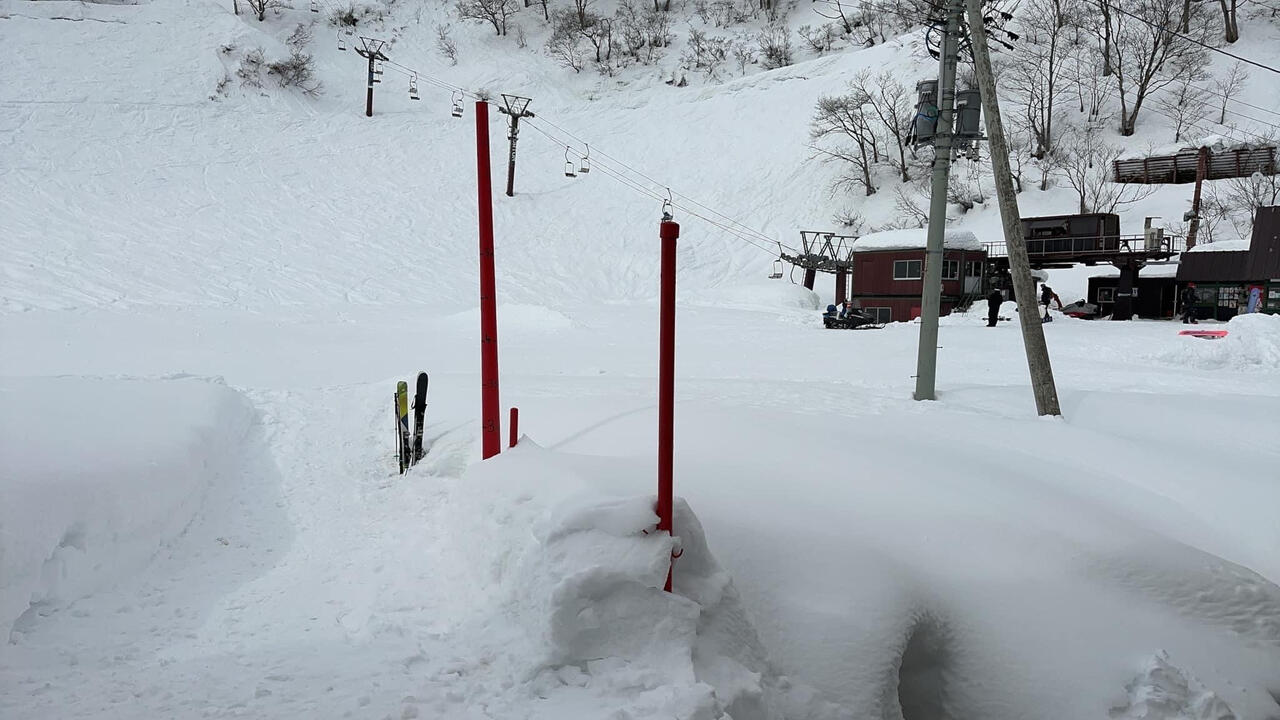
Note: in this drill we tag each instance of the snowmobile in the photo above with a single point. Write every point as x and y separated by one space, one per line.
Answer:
854 319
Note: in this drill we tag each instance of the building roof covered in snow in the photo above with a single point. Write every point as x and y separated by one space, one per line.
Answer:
1256 260
915 239
1154 270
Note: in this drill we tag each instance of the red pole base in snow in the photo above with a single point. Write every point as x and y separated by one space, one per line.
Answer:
515 426
668 232
491 432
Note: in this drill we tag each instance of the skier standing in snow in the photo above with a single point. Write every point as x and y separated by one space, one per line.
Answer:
1188 299
994 300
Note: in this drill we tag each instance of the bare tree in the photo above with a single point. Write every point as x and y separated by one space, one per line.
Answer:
565 43
260 7
1228 86
1184 101
494 12
1240 198
445 43
893 105
839 10
847 117
775 46
1148 55
1036 75
1086 165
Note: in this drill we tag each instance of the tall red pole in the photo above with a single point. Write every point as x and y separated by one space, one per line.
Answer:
491 431
669 232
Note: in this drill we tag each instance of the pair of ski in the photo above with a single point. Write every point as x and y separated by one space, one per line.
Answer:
409 445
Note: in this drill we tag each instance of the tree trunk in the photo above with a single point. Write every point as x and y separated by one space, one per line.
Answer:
1106 38
1231 30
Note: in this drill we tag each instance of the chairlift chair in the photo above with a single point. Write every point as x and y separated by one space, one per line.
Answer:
342 44
315 6
413 87
457 104
777 270
568 163
586 162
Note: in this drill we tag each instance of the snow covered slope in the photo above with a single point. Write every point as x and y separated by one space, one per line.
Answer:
846 552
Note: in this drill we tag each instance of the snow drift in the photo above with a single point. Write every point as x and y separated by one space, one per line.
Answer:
100 474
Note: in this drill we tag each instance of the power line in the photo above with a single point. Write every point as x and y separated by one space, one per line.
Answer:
1191 39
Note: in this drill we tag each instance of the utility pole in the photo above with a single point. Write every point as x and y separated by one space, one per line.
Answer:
372 49
1202 170
1042 385
931 298
515 107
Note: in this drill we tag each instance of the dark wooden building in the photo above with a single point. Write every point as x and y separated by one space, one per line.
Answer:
1225 279
888 272
1154 295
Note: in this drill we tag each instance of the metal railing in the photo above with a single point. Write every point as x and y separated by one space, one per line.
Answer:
1096 247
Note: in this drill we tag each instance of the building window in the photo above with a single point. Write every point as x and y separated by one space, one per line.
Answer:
950 269
1106 295
972 268
1206 295
881 314
907 269
1229 296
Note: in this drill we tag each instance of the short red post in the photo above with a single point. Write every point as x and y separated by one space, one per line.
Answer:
515 426
669 232
491 432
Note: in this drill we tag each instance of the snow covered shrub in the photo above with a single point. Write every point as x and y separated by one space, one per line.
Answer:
445 43
775 46
820 39
297 71
300 38
744 53
250 71
353 15
724 13
705 52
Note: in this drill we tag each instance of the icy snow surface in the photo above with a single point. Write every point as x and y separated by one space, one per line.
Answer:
206 303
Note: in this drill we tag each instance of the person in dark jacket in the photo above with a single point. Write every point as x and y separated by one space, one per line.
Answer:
994 301
1188 299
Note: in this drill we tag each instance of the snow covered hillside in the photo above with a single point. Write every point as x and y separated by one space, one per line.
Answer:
209 289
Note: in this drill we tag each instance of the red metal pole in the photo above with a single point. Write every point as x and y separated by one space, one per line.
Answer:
669 232
491 432
515 426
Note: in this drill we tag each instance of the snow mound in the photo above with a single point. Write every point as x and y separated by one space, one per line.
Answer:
1163 691
915 239
580 572
98 475
513 317
1252 343
765 295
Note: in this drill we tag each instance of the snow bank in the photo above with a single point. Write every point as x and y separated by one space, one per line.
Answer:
98 475
513 317
577 569
1221 246
772 294
1252 343
915 238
